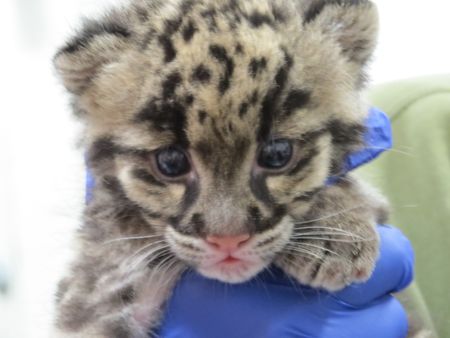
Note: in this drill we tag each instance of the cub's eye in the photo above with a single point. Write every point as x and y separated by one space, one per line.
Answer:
172 162
276 154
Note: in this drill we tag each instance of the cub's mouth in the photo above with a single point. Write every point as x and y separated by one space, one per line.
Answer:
231 259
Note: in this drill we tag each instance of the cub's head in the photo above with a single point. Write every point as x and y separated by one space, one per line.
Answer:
220 120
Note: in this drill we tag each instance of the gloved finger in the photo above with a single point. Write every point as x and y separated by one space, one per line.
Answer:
385 318
393 272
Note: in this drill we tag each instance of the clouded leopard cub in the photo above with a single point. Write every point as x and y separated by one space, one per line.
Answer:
211 128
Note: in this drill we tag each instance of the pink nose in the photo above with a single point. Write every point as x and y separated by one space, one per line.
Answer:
228 243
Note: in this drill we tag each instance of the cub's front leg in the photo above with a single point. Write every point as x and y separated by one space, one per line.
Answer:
100 299
336 242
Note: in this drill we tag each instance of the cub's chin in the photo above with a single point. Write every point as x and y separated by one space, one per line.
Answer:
232 270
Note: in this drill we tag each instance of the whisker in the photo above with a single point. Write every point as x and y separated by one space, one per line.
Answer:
395 150
304 251
147 246
337 240
130 238
320 248
323 233
337 231
171 264
166 260
144 256
162 250
144 259
321 227
331 215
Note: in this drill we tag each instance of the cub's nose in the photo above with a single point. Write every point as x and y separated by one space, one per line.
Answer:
228 243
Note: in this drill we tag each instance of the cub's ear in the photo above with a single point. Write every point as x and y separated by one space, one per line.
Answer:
95 45
352 23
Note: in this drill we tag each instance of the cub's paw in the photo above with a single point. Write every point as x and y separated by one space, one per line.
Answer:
330 264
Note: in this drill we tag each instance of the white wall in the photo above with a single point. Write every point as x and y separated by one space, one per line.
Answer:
41 172
414 39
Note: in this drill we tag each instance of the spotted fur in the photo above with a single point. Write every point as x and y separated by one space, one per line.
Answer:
218 79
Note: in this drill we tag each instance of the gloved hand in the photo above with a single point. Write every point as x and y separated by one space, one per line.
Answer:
273 306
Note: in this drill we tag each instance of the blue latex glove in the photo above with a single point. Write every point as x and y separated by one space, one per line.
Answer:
273 306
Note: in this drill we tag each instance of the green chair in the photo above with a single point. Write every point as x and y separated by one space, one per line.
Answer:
415 176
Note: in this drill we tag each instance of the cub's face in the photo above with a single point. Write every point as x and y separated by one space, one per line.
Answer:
220 120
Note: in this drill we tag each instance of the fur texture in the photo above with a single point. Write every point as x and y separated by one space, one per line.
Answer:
218 79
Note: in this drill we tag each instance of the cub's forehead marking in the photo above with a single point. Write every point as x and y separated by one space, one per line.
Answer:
220 53
170 84
271 100
169 50
296 99
202 74
165 115
256 66
189 30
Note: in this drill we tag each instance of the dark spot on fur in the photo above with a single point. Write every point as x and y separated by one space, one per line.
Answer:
127 295
243 109
169 50
239 49
220 54
149 36
267 241
170 84
346 134
271 100
189 31
174 220
144 176
254 216
296 99
92 29
278 14
103 148
201 116
190 196
210 18
165 116
172 26
189 99
261 224
304 162
201 74
198 223
259 189
258 19
318 6
254 98
142 14
314 10
256 66
186 6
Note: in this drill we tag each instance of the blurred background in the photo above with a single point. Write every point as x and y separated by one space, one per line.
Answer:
41 169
